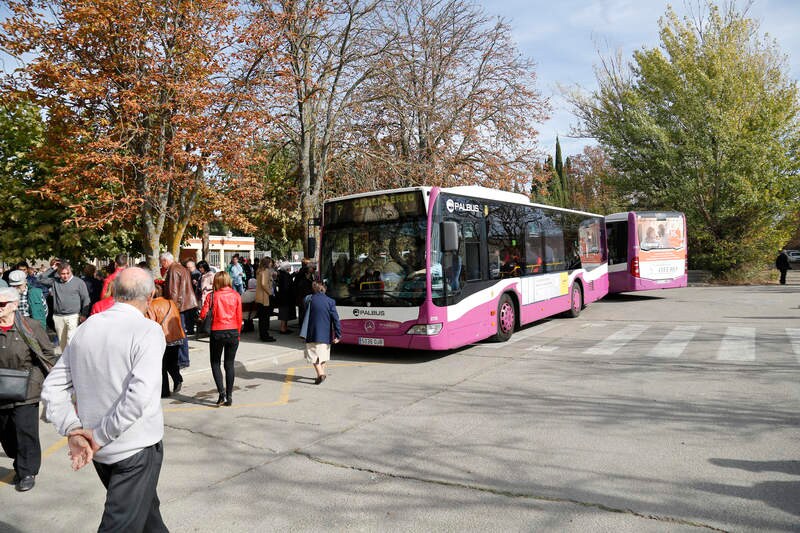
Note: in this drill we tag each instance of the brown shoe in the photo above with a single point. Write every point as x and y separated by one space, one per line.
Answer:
320 379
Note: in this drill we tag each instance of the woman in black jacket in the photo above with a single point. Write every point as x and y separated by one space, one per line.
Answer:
23 345
284 289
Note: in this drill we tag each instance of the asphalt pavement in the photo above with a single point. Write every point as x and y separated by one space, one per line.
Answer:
661 411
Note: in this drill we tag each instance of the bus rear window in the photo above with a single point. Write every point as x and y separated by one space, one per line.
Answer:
660 232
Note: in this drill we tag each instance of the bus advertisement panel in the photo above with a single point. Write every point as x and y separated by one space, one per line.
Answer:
647 250
431 268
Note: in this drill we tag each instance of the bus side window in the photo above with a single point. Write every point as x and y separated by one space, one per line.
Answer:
534 255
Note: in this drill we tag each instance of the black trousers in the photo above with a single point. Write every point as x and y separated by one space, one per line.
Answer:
169 366
227 340
264 314
19 436
132 503
783 277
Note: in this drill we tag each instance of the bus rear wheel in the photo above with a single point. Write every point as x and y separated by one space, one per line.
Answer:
506 319
575 301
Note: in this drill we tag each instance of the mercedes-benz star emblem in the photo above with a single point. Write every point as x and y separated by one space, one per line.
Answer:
369 326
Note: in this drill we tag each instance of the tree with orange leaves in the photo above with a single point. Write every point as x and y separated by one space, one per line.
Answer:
151 108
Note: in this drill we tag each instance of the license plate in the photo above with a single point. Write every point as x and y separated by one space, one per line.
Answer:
370 342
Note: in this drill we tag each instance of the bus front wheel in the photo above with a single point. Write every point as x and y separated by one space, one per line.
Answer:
506 319
575 301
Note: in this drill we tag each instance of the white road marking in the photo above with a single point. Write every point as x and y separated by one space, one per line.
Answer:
518 336
614 342
739 344
675 342
794 337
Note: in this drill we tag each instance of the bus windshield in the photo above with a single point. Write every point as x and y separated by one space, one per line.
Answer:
660 232
376 264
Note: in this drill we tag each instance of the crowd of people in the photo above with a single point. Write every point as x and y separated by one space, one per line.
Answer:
139 327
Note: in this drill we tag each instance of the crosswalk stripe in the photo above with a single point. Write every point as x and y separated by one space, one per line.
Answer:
523 335
794 337
739 344
614 342
675 342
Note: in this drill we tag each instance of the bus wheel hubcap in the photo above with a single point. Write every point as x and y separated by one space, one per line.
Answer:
506 318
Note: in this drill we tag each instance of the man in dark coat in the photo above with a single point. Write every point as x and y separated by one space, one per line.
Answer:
23 345
782 264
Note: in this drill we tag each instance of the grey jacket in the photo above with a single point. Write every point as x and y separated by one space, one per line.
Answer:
70 298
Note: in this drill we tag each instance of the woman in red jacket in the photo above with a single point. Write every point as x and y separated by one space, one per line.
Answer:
225 304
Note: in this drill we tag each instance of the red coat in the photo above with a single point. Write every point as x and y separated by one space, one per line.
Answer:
102 305
227 309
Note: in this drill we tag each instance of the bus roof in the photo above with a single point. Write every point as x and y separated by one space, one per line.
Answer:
624 214
476 191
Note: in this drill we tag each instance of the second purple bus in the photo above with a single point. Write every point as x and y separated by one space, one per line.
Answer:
438 268
646 251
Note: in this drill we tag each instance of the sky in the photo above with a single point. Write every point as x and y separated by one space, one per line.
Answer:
563 37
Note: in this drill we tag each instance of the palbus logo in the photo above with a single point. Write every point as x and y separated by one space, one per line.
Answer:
368 312
452 205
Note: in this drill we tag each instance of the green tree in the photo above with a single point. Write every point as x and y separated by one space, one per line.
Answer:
32 226
706 123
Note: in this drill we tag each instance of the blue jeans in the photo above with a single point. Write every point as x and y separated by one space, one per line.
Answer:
183 353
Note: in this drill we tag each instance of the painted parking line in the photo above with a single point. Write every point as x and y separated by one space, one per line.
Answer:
739 344
614 342
674 344
60 443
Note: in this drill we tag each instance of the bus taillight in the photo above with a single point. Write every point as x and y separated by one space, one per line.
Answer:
635 267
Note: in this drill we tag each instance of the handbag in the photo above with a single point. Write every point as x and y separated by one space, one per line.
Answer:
14 384
209 319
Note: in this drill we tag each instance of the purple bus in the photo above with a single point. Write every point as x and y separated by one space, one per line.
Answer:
646 251
438 268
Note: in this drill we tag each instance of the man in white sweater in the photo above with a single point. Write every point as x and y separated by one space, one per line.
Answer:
113 367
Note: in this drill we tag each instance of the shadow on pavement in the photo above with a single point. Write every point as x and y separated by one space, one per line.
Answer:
787 467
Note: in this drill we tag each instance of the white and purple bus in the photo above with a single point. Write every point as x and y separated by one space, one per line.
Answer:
438 268
646 251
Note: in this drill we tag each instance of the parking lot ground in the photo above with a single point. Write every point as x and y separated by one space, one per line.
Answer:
589 424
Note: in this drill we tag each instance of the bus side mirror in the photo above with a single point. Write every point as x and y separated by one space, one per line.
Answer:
450 236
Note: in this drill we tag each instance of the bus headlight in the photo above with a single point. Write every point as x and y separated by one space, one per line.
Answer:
424 329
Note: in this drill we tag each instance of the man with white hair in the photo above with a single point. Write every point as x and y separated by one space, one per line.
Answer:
113 369
178 288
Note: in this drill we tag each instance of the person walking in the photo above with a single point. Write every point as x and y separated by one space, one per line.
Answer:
264 289
782 264
225 304
113 369
120 263
165 313
236 273
32 302
284 295
178 288
303 279
206 283
24 345
71 302
321 328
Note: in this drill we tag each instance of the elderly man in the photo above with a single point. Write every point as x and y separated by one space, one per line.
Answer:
32 303
71 302
23 345
178 288
113 368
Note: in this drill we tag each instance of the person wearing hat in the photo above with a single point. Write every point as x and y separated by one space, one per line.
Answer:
24 345
32 303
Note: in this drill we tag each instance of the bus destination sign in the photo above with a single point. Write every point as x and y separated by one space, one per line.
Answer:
379 208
